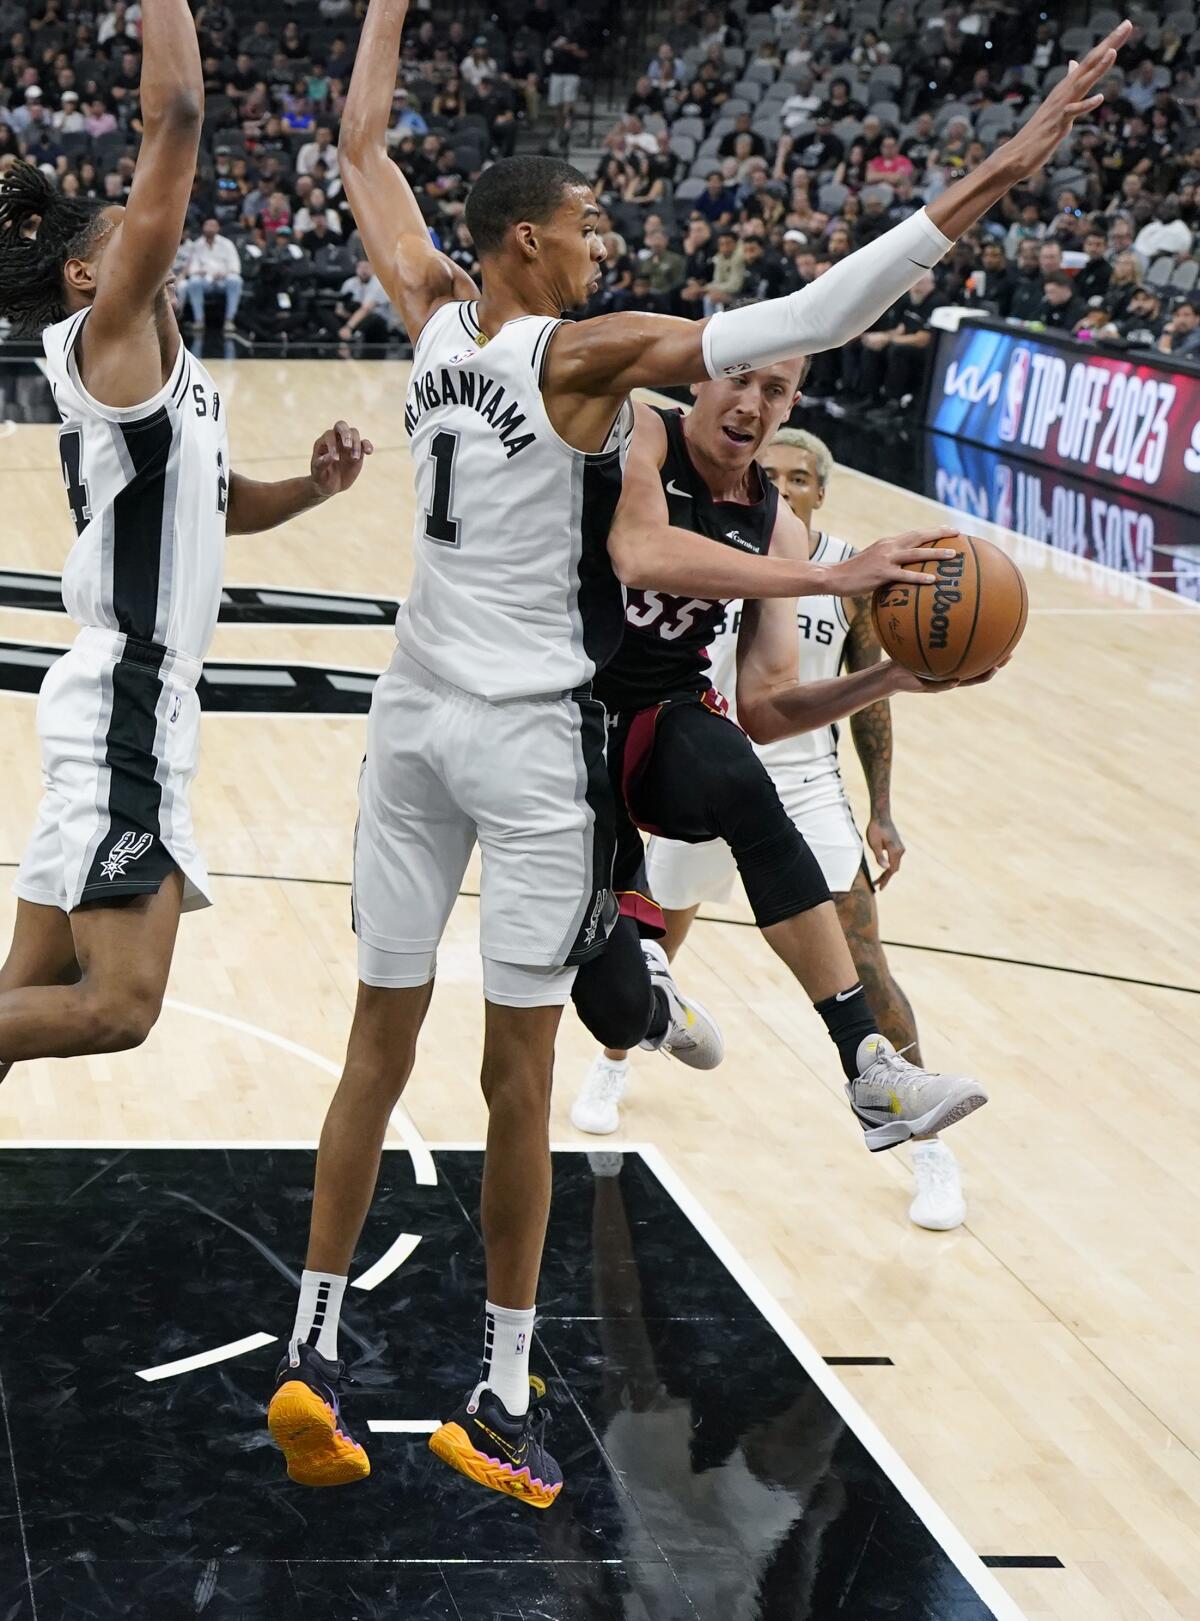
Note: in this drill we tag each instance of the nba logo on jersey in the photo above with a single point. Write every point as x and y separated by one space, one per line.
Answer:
128 848
1014 395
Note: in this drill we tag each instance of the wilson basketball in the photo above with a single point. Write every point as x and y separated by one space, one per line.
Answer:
963 624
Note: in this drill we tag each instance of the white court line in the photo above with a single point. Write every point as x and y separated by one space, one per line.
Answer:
391 1259
205 1359
956 1547
403 1426
936 1521
401 1121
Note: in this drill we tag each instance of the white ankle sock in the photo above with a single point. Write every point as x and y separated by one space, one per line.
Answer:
506 1339
317 1314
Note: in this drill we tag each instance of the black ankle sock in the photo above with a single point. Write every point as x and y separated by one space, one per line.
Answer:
849 1019
661 1017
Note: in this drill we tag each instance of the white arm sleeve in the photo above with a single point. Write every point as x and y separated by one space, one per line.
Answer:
830 311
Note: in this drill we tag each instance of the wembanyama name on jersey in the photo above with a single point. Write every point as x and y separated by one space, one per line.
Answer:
459 385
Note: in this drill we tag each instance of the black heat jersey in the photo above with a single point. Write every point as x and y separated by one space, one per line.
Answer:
664 650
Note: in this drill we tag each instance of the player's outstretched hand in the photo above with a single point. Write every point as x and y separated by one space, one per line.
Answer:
907 681
338 457
883 563
1072 97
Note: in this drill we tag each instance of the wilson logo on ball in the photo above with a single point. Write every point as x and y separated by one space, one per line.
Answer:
946 594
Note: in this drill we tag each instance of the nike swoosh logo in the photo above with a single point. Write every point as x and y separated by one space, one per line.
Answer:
671 490
844 996
516 1455
918 264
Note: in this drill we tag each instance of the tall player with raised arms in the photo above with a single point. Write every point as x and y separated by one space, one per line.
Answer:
483 729
145 456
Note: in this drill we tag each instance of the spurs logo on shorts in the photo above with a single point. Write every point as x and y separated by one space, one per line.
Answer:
129 847
597 917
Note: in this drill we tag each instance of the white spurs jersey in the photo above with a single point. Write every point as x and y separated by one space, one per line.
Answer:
822 626
148 487
512 594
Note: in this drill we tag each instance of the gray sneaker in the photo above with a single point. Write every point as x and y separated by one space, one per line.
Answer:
693 1035
894 1100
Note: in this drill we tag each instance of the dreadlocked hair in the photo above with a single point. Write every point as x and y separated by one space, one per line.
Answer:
40 230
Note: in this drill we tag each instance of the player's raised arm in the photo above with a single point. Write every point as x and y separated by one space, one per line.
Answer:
649 554
616 353
122 359
416 277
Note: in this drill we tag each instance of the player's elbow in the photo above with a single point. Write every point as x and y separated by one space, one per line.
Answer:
180 115
629 557
759 721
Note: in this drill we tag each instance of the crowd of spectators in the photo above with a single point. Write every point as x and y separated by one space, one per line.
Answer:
271 247
758 147
759 144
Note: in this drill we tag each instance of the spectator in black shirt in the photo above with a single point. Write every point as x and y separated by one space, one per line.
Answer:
819 153
294 44
921 144
1091 283
1025 298
1143 325
839 103
897 358
1061 308
665 165
990 283
495 104
742 127
764 276
645 98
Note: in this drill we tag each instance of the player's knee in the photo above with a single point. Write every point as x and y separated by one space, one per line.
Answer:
779 872
617 1011
118 1022
516 1082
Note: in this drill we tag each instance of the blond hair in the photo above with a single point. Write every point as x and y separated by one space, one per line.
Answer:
800 439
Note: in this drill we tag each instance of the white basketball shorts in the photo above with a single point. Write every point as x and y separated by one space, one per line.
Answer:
685 875
526 780
119 725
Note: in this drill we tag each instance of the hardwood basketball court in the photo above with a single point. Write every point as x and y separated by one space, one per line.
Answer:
1047 928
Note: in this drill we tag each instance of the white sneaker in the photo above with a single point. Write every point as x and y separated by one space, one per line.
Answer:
597 1105
894 1100
939 1203
693 1035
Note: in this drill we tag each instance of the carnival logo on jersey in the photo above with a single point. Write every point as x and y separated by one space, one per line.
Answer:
128 848
1014 394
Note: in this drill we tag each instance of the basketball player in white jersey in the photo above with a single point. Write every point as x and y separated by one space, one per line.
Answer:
483 729
833 632
145 455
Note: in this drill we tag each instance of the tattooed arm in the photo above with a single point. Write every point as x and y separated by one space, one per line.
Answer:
871 729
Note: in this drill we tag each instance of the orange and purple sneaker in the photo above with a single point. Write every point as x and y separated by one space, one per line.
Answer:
483 1441
305 1422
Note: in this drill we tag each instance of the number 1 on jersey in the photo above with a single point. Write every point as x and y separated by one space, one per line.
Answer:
439 525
